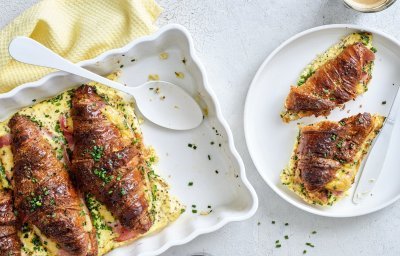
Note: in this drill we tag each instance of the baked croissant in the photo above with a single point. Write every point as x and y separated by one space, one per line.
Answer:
44 195
332 84
106 165
9 240
327 156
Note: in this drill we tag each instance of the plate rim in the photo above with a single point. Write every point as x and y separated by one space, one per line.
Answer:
246 117
245 213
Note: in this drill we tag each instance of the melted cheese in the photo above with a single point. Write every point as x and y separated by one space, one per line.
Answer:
344 177
163 207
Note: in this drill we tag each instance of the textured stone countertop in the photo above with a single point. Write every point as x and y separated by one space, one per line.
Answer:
232 38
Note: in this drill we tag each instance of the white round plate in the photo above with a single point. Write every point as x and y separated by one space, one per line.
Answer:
270 141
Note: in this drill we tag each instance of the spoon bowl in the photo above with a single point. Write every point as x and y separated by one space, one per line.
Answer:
163 103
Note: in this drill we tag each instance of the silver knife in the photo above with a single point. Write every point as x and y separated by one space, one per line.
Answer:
375 161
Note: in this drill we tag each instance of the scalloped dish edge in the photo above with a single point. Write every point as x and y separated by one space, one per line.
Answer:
225 218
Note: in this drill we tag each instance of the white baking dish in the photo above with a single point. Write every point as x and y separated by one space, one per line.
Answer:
219 181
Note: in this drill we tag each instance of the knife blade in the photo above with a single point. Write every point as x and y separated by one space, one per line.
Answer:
375 161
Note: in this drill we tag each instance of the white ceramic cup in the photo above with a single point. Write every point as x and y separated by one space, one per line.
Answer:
371 7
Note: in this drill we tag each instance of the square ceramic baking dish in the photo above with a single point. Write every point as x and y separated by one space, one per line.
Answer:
220 190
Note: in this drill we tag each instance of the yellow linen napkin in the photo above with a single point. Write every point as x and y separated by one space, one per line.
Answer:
75 29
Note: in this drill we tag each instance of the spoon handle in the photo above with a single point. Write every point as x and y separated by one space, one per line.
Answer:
27 50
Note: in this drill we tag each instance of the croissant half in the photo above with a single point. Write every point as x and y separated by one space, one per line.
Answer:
327 156
332 83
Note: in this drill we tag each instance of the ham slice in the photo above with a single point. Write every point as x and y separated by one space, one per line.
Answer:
5 140
67 132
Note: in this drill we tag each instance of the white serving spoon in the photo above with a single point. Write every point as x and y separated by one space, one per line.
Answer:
163 103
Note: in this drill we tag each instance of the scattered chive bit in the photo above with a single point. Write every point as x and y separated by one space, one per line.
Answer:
278 246
121 66
183 210
179 75
133 60
209 157
190 183
153 77
212 142
216 171
34 100
97 153
286 237
314 232
194 211
273 222
219 144
258 223
310 244
305 251
184 60
164 55
384 102
209 207
286 224
277 241
123 192
373 49
190 145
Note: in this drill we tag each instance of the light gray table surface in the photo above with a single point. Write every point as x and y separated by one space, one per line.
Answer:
232 38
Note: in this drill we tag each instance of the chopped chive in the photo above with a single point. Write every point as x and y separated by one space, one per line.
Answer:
190 183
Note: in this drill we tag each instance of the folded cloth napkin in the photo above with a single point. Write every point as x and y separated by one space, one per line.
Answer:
75 29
